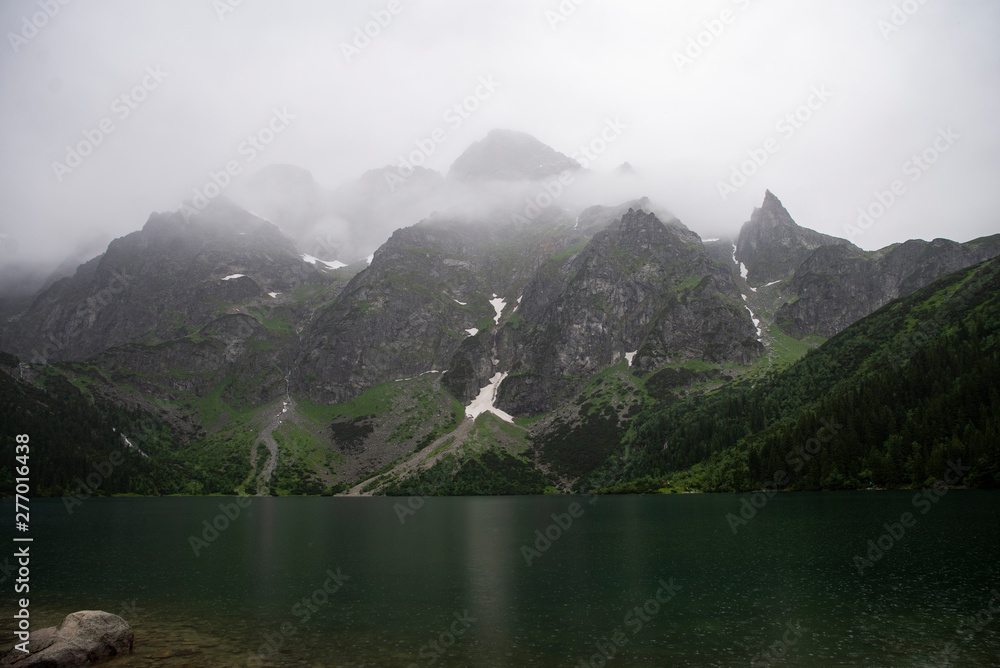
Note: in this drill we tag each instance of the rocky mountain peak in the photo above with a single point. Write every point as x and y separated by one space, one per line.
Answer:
639 220
220 224
508 155
771 213
772 244
625 169
178 268
641 229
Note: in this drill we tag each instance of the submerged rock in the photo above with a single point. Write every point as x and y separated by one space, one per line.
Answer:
80 639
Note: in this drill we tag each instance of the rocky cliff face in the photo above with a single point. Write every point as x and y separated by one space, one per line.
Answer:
838 285
428 302
235 352
822 283
550 304
165 281
640 288
771 245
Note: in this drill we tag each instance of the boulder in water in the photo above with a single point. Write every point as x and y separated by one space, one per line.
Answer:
80 639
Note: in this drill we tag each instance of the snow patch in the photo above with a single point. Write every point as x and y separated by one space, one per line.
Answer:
743 267
370 258
708 241
630 356
772 283
131 445
273 295
744 297
752 289
518 305
461 303
486 400
498 305
756 323
334 264
473 331
232 276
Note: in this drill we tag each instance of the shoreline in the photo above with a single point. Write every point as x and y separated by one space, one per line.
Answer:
473 496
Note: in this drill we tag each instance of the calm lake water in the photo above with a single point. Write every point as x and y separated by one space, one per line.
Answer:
455 573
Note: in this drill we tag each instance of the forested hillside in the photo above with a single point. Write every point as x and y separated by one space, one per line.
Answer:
887 402
84 446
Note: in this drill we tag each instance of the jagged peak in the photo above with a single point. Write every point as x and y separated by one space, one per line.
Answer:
637 219
771 245
772 212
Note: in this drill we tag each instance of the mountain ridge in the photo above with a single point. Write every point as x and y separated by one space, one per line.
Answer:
538 344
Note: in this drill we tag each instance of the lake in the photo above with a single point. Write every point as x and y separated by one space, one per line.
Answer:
679 580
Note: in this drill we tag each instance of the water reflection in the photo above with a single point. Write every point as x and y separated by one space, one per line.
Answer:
408 584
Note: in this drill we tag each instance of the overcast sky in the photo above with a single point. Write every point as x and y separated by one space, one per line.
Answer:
210 74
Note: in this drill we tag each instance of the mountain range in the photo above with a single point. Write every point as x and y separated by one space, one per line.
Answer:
476 349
